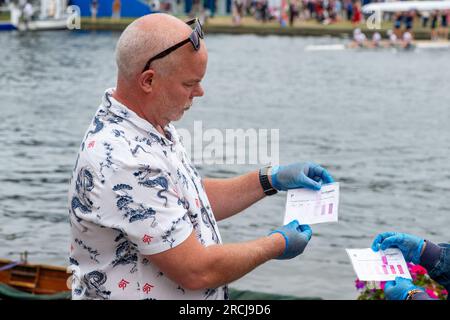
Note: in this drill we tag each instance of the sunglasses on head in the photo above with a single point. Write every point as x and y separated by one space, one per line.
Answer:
194 38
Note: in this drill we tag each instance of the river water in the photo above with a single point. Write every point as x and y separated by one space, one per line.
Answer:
379 121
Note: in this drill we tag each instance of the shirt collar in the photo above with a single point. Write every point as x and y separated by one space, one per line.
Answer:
122 111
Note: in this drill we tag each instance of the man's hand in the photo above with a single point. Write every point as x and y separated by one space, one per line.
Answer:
398 289
299 175
411 246
296 236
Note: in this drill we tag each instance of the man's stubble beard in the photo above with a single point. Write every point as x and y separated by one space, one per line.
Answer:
179 113
188 105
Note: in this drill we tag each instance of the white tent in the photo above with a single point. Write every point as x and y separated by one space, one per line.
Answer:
403 6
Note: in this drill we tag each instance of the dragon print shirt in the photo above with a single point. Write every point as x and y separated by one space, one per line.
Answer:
133 193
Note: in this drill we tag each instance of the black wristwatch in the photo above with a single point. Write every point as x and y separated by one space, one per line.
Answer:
264 180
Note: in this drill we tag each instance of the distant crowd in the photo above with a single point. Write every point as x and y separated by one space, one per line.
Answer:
329 11
323 11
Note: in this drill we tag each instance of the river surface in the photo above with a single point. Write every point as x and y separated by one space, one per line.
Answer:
378 120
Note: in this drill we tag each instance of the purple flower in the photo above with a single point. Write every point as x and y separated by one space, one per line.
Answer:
359 284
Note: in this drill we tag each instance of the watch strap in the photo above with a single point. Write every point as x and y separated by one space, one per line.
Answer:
265 183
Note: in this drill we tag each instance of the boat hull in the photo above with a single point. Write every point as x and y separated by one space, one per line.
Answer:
39 25
6 26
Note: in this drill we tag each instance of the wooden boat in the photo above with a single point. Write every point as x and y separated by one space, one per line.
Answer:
24 281
21 280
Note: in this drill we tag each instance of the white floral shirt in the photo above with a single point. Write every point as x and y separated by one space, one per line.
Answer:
133 193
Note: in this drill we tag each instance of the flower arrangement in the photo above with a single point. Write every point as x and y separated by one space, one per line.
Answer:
369 290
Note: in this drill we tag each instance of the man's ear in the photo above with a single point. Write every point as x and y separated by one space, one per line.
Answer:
146 80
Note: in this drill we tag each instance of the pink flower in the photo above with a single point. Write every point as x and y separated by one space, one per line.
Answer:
359 284
431 293
382 284
444 292
418 269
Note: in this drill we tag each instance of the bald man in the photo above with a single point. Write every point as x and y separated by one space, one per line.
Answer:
143 222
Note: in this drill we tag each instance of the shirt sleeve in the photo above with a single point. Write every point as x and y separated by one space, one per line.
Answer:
142 202
430 256
440 272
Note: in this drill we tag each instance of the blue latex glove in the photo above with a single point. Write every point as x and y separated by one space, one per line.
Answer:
297 237
398 289
299 175
410 246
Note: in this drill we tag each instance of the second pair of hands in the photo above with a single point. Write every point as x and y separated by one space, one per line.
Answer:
412 248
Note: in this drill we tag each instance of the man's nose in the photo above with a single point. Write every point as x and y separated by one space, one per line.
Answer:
198 92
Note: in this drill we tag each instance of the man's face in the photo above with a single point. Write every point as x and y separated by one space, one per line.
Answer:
177 91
